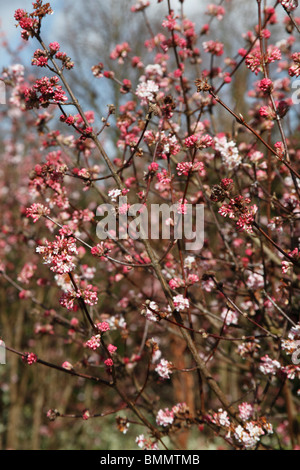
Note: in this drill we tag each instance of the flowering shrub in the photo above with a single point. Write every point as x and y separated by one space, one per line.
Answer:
198 344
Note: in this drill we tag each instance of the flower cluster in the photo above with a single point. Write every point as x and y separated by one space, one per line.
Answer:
164 369
238 209
289 5
180 303
185 168
228 151
88 294
255 62
30 358
294 70
60 254
94 342
44 92
36 211
30 22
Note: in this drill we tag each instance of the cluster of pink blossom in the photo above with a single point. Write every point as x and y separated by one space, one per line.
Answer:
238 208
60 254
167 417
44 92
88 294
164 369
289 5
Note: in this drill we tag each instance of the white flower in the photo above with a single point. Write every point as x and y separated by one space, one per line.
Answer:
248 348
154 70
269 366
221 418
289 5
181 303
165 417
249 439
255 281
189 261
245 410
230 317
289 345
117 322
146 90
156 355
229 152
140 440
164 369
150 311
114 194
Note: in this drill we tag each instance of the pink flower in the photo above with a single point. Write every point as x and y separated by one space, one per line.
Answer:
36 211
192 279
181 303
109 362
164 369
294 70
176 283
40 58
266 85
70 120
254 60
214 47
165 417
100 250
221 418
269 366
103 326
147 91
182 206
140 5
94 342
27 23
86 415
89 295
59 254
30 358
120 52
124 208
111 348
215 10
170 22
267 112
246 411
153 167
142 442
191 140
185 168
150 311
230 317
44 92
228 151
67 365
286 266
292 371
26 273
54 47
227 184
227 210
279 146
19 14
289 5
